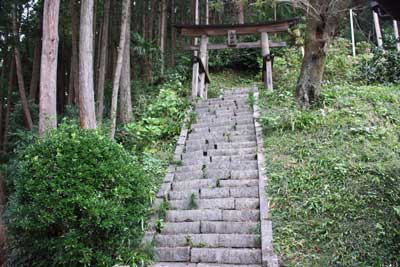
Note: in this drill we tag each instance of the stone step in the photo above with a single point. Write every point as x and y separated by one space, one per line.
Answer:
176 254
202 204
181 228
219 227
237 165
216 110
194 136
198 215
233 159
211 193
194 184
180 264
241 215
194 175
208 240
244 174
231 151
247 203
190 168
244 192
222 126
175 264
224 255
193 146
215 201
239 183
180 195
222 265
233 162
213 120
210 173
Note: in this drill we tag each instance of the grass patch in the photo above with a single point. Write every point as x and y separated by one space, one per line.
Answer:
334 175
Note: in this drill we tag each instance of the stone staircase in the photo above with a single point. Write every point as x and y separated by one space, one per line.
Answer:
215 191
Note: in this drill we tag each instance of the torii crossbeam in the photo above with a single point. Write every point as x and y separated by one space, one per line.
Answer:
200 66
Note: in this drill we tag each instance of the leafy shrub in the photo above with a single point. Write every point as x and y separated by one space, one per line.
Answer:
380 68
79 199
160 121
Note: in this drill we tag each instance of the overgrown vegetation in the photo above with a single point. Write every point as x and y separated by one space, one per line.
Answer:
334 170
80 199
334 175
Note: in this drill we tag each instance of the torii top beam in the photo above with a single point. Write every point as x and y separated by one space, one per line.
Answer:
191 30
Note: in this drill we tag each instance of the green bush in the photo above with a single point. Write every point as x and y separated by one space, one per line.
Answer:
381 68
78 199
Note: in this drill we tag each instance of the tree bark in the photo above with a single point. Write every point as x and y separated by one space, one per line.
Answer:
125 97
121 48
319 34
86 94
20 78
103 61
48 67
2 83
33 88
75 54
163 33
8 108
240 10
173 33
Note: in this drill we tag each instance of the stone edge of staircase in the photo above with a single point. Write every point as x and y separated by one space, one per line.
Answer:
166 185
269 258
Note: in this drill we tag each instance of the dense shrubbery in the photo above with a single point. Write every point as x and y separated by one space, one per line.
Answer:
382 67
78 200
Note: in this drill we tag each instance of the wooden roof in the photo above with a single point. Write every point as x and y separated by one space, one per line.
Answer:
192 30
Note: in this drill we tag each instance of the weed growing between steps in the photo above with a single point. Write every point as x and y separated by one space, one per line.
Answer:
334 175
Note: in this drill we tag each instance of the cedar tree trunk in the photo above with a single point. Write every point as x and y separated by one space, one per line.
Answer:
86 90
48 67
103 61
118 68
125 99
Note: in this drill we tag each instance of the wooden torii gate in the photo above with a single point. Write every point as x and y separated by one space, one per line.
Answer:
201 76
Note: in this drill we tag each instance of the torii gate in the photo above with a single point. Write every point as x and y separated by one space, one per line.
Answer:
201 76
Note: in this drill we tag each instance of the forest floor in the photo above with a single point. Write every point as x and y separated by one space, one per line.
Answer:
333 174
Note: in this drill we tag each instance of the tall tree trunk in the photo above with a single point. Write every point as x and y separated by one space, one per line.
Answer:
163 33
173 33
48 67
240 10
75 53
319 35
151 19
103 61
71 93
8 108
33 88
2 83
20 78
121 48
86 93
125 97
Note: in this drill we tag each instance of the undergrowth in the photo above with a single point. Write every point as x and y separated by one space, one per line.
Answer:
333 177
